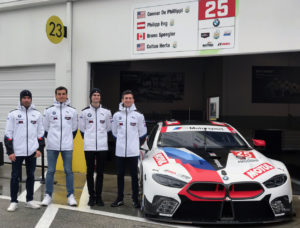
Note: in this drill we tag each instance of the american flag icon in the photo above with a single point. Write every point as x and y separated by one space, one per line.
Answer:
141 14
140 47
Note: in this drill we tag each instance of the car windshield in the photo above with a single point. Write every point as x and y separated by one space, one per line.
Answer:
198 139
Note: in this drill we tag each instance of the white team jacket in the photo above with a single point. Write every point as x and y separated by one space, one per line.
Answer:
23 128
127 127
94 124
60 123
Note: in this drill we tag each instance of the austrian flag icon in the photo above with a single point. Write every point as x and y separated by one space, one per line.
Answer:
141 25
140 36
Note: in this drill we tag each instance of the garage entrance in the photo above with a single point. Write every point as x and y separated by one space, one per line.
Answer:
164 89
179 88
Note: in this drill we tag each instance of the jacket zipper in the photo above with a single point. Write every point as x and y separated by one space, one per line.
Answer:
126 135
27 131
60 126
96 128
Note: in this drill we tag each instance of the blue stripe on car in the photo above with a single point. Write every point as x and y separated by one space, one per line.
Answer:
188 158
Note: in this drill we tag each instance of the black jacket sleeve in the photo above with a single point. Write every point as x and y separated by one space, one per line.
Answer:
41 144
8 145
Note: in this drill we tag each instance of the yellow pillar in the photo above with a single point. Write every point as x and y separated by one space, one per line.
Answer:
79 164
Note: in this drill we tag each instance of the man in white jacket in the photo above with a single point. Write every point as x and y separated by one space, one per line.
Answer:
24 140
128 127
94 123
60 123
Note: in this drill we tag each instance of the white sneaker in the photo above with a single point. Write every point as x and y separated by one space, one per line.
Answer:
72 200
31 204
12 206
47 200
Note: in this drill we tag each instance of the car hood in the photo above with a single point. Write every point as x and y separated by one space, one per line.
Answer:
220 165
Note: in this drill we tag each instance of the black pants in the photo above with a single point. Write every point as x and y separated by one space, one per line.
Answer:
30 163
132 162
90 157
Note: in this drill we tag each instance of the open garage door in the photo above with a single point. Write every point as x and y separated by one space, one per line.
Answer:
40 80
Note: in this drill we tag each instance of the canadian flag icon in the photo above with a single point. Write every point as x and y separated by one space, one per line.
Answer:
140 36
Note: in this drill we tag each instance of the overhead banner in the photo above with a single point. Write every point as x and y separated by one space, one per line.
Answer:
187 26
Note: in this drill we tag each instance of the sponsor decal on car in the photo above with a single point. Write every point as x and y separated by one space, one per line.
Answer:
170 171
259 170
177 128
160 159
243 154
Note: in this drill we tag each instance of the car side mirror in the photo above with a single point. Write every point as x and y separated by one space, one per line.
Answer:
259 143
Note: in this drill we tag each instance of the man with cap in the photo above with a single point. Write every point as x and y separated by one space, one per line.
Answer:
23 141
60 123
94 123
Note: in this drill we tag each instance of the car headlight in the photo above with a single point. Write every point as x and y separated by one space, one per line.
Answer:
276 181
168 181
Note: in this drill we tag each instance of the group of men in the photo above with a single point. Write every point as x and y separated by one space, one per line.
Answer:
24 139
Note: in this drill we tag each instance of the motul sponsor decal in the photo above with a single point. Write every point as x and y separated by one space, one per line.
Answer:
243 154
258 170
160 159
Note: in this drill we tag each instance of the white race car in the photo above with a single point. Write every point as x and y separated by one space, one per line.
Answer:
206 172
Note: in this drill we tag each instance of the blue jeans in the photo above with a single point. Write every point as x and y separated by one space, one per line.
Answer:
52 156
30 163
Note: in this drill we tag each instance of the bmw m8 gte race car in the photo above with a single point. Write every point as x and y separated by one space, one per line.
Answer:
208 173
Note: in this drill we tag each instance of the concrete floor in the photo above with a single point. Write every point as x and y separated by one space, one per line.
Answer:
61 215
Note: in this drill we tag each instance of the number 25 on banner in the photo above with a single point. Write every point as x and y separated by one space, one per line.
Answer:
211 9
55 29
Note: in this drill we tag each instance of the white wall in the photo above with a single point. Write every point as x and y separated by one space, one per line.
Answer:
23 40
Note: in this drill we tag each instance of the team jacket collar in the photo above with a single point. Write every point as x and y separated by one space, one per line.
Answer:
56 103
93 108
122 108
22 108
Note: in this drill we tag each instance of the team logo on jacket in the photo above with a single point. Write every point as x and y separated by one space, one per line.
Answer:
102 121
89 114
121 124
54 118
259 170
20 121
53 113
160 159
67 118
132 124
19 116
33 121
90 121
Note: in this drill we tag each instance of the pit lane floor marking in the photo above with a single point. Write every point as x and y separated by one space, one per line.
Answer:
84 198
22 196
50 213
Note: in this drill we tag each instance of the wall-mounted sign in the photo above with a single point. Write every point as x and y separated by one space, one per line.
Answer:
185 26
213 108
55 29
